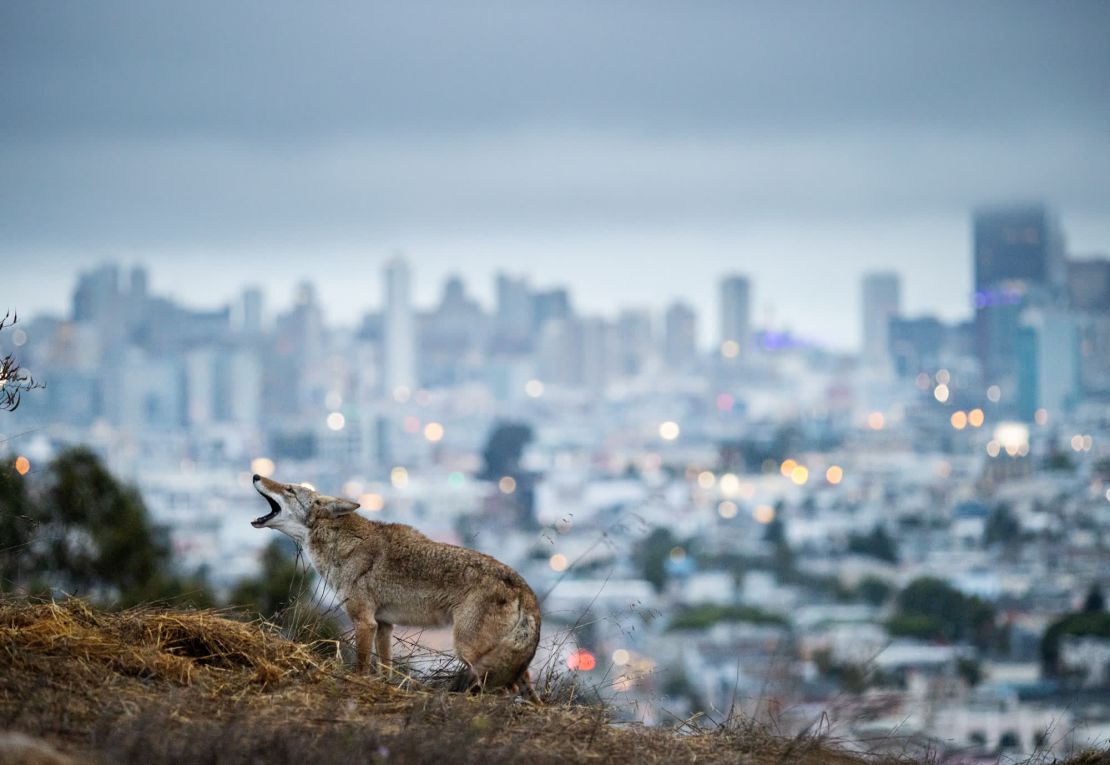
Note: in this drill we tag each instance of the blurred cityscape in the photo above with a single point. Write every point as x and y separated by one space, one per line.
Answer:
876 543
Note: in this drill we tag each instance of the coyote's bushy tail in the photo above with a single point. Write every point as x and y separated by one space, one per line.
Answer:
507 663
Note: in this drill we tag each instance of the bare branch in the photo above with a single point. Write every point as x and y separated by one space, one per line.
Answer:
14 380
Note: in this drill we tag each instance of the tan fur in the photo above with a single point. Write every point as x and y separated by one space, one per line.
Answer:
390 574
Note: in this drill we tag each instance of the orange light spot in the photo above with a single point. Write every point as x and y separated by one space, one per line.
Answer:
581 661
22 465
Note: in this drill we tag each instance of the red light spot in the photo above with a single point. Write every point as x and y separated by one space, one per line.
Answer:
581 661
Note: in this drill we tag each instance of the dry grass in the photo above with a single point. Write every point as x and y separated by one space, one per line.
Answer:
158 686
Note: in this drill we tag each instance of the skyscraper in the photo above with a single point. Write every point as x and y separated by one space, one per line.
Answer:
553 304
513 321
400 338
680 335
1089 293
1019 256
1047 362
882 301
634 340
248 311
735 313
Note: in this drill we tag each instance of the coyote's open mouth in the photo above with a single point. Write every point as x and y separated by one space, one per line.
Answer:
274 509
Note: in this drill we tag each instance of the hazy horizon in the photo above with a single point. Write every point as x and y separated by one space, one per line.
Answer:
634 152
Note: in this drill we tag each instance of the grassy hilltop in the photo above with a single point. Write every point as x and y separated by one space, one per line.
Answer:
156 686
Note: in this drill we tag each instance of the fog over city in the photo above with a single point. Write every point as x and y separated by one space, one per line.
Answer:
801 143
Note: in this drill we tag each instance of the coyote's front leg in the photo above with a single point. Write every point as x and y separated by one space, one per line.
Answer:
384 645
366 629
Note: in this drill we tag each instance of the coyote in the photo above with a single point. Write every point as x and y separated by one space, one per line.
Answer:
390 573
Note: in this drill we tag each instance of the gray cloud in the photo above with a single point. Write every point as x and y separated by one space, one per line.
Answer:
244 128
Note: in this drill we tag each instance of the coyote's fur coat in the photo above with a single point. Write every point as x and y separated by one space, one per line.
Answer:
390 573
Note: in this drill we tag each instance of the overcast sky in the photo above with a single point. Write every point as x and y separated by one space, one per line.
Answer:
632 150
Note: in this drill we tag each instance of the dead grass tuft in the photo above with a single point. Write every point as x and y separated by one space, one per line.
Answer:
160 686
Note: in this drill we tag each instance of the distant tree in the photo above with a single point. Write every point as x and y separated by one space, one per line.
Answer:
932 609
650 555
1094 602
1001 526
14 380
17 524
705 615
775 532
504 449
1059 460
873 590
284 593
279 582
878 544
970 670
94 538
1079 624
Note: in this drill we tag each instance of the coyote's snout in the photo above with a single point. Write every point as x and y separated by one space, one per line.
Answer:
390 573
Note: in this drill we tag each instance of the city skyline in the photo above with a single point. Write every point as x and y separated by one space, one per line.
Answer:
346 302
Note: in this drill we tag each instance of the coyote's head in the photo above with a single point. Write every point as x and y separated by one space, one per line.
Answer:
295 508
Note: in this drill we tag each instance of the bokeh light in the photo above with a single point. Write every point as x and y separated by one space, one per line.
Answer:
994 394
730 484
263 466
507 484
730 349
581 661
399 477
371 501
706 479
22 465
433 431
975 418
763 513
558 562
533 388
727 509
834 475
669 430
876 420
799 475
940 393
959 419
336 421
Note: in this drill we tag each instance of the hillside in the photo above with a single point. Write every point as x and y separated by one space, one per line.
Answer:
162 686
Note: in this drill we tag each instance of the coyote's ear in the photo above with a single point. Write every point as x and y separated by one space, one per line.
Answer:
334 506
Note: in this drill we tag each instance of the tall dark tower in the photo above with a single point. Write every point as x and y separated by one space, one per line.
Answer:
1019 257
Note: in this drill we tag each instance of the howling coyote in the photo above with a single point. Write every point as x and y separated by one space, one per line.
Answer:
389 573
